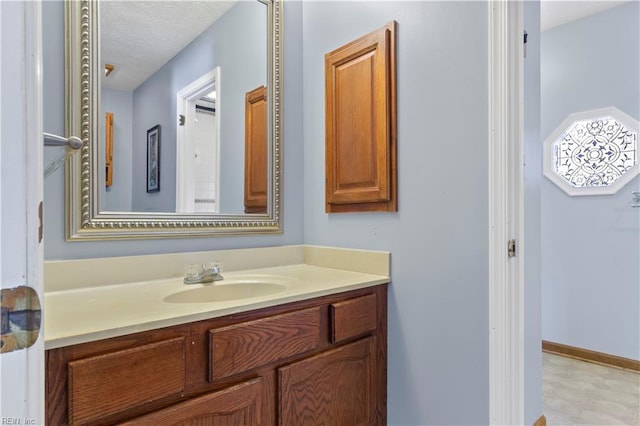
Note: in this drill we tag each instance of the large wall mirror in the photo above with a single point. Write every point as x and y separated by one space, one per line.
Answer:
177 104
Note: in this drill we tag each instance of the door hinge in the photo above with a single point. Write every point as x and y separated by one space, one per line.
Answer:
525 43
20 318
511 248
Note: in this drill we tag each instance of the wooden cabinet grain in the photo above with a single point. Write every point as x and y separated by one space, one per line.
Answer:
360 124
236 405
106 384
336 387
315 361
255 151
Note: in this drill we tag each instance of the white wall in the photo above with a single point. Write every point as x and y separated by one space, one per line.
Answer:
206 161
438 360
591 244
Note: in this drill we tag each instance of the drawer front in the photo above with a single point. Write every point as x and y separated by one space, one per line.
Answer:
252 344
237 405
352 317
110 383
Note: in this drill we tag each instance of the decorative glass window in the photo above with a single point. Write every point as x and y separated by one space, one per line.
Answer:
593 152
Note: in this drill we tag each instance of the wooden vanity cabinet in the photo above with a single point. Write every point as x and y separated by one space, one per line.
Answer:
318 361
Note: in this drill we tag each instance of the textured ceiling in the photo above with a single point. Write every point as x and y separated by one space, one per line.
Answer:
140 36
558 12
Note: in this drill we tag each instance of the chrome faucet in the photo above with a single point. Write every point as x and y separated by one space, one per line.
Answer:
198 274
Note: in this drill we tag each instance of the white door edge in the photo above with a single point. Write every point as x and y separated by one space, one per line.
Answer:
35 195
22 384
506 279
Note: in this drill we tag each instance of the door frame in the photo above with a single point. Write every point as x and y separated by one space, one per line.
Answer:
186 99
506 211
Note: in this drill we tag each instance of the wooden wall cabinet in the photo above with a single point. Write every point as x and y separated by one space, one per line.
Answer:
318 361
108 148
255 151
360 124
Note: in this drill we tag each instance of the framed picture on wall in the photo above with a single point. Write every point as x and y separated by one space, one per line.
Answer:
153 159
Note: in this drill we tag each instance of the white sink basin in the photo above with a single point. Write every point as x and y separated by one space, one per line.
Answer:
227 290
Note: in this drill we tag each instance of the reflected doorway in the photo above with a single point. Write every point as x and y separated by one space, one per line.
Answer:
198 147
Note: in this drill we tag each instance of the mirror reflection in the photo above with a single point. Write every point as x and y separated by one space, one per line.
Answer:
180 127
140 173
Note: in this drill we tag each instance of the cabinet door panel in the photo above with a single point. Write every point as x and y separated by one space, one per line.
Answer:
255 151
360 122
336 387
237 405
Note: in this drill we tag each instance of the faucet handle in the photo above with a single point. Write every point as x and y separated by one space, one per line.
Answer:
192 270
214 266
203 273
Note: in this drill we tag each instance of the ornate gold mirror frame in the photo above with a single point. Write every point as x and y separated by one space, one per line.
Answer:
84 220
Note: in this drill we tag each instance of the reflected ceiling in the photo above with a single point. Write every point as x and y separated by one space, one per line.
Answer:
146 44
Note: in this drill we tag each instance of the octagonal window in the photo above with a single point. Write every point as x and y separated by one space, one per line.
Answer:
593 152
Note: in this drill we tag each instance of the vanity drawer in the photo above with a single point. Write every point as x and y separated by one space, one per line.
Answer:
113 382
236 405
249 345
352 317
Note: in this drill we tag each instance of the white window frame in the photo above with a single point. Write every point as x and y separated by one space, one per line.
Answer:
549 157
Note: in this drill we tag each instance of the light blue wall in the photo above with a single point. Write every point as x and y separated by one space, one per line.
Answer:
243 69
117 197
532 251
53 87
591 245
53 100
438 371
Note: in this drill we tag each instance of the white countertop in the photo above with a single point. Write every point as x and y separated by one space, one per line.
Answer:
80 315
